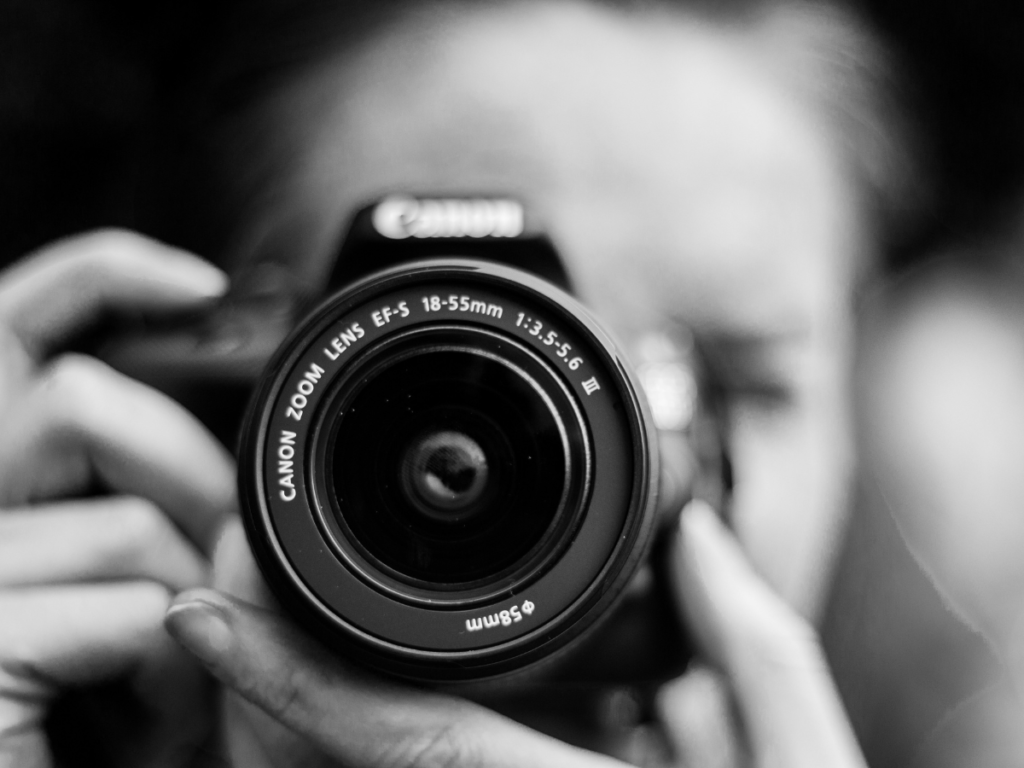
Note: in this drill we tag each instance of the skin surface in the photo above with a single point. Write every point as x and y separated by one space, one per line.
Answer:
945 424
85 579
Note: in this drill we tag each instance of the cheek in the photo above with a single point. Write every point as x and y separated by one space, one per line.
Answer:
947 434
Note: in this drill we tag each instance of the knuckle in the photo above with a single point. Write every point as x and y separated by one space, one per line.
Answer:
107 246
72 372
73 387
447 746
143 526
284 697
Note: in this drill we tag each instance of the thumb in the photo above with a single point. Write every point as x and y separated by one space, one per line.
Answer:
770 655
347 713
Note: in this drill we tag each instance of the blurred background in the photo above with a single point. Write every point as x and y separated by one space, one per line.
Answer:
96 97
98 102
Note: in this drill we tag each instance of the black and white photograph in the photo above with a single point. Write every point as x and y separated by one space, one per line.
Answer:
511 384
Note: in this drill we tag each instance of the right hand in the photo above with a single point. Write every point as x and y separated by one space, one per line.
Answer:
85 578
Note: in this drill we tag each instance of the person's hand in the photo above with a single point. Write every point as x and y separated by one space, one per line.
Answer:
110 496
780 707
334 713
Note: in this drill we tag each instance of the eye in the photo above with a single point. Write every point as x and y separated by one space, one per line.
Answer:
752 372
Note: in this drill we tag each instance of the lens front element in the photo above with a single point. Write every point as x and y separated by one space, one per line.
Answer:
455 460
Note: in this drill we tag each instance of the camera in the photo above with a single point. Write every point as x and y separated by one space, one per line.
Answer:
447 469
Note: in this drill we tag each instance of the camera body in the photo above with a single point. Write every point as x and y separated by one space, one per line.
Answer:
447 469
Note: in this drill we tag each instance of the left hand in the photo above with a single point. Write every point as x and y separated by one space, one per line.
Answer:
312 706
85 578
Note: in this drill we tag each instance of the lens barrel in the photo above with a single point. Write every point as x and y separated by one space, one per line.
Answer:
447 472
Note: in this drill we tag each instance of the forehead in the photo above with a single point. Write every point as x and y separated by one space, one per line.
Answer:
676 170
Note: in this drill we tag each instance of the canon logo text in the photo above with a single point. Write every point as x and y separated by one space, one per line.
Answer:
398 217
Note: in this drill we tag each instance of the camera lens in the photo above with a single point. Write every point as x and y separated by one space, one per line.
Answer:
446 471
452 457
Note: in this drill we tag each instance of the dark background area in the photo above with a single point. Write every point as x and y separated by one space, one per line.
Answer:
97 102
966 63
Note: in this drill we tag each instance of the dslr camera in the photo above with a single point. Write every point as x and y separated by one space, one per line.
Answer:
447 468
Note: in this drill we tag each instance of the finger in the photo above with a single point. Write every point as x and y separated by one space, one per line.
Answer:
353 717
697 712
234 568
784 691
54 291
83 419
251 735
96 539
75 635
677 469
52 638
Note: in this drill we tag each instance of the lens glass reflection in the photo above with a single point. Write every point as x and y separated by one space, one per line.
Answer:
448 466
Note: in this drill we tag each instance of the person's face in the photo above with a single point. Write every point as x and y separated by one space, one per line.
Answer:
681 181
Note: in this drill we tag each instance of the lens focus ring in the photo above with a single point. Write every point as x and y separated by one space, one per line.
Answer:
446 472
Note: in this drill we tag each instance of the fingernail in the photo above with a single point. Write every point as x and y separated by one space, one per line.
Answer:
201 624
